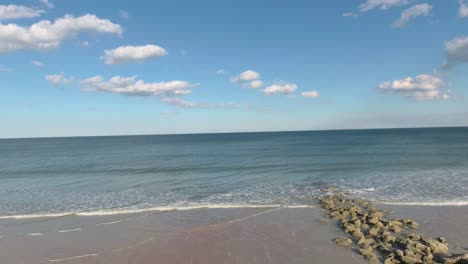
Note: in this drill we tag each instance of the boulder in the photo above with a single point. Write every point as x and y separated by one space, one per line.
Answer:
437 247
344 242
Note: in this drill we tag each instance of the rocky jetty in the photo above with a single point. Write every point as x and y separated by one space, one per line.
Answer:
382 239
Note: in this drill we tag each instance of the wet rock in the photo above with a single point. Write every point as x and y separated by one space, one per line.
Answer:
410 260
457 259
357 234
411 223
395 229
414 237
370 256
344 242
437 247
389 239
374 232
365 242
372 220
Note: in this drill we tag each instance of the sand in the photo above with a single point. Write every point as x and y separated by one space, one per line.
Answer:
254 235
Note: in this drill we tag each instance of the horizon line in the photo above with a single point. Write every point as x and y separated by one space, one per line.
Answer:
237 132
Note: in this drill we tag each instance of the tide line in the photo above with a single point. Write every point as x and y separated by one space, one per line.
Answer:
75 257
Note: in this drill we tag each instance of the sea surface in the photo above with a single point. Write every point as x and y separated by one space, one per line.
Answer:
108 175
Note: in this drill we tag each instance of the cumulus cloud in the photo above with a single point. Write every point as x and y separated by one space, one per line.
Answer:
463 10
47 3
255 84
310 94
381 4
457 52
37 64
412 12
249 79
132 86
16 12
132 54
245 76
422 87
58 79
47 35
280 88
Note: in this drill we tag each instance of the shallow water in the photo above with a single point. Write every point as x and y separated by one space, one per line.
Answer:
105 175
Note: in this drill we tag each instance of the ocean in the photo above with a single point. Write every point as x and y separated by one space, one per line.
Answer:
111 175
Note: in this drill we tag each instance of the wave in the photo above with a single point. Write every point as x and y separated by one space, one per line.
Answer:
443 203
108 212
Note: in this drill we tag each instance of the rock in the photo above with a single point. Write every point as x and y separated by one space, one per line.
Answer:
457 259
369 255
391 260
374 232
414 237
437 247
357 234
442 240
365 242
396 223
365 226
411 223
379 225
344 242
372 220
410 260
389 239
357 223
395 229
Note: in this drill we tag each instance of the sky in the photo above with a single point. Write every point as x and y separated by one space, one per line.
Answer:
115 67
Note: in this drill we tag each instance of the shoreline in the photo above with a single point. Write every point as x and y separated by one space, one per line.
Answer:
277 234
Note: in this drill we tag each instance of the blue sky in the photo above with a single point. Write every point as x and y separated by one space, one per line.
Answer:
70 68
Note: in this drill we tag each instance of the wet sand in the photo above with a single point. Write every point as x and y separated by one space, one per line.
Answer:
255 235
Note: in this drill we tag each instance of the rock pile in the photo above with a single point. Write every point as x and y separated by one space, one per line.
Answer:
381 239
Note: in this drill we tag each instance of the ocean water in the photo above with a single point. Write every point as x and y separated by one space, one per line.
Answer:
107 175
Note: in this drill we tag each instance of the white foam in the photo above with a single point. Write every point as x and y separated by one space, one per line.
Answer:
27 216
445 203
34 234
155 209
69 230
75 257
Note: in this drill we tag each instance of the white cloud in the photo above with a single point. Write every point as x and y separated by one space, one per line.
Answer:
412 12
463 10
47 3
246 76
37 64
58 79
221 72
84 44
181 103
382 4
310 94
132 54
123 14
47 35
16 12
280 88
349 14
132 86
457 52
255 84
422 87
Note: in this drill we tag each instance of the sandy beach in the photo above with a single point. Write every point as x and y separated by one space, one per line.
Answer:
234 235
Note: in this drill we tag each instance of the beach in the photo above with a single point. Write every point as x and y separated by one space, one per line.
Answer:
222 198
232 235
